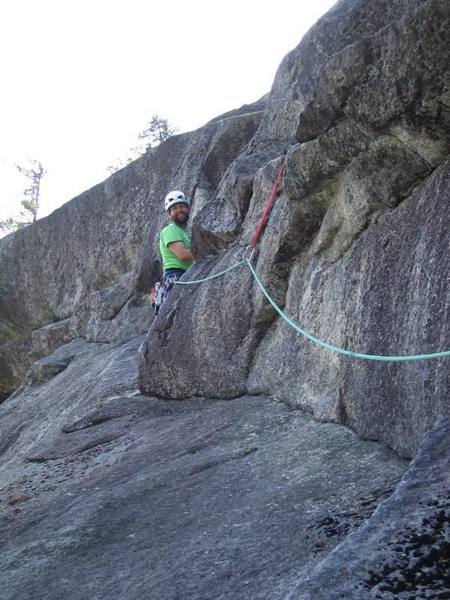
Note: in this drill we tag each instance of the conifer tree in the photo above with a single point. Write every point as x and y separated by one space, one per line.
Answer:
30 202
159 130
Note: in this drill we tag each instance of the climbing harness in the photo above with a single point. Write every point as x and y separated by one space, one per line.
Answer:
297 328
162 289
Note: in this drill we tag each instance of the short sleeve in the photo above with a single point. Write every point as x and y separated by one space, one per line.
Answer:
171 234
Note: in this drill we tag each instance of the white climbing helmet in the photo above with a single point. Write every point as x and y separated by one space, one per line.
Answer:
173 198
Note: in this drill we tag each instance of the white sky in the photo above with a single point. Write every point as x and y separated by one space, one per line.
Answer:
80 79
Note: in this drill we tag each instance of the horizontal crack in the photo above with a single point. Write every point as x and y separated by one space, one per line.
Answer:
214 463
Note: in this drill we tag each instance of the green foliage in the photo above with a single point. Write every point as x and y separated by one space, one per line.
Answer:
10 224
31 197
159 130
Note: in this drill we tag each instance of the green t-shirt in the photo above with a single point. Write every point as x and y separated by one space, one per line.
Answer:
174 233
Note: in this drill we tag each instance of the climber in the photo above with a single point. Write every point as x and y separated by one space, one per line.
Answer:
175 247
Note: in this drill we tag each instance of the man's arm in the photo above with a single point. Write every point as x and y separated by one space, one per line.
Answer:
180 251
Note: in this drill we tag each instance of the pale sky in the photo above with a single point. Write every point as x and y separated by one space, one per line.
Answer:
80 79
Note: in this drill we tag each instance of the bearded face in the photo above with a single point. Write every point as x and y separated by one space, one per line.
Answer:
179 213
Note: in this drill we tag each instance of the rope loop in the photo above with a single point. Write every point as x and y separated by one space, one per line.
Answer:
337 349
250 250
241 262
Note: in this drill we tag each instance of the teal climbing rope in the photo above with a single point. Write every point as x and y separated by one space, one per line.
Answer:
241 262
309 336
332 347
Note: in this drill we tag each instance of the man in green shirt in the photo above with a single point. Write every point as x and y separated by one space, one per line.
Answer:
174 244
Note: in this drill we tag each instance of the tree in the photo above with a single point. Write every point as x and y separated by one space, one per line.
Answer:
159 130
31 197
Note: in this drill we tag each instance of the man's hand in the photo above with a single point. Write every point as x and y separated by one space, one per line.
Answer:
180 251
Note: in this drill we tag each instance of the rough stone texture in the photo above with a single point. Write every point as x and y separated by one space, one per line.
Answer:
356 249
216 348
17 356
390 293
108 494
46 368
114 313
245 498
63 265
369 61
403 551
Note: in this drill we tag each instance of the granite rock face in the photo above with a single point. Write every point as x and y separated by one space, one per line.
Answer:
17 356
213 451
74 263
387 295
403 550
109 494
356 248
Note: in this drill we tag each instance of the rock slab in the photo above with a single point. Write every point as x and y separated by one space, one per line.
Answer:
121 496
